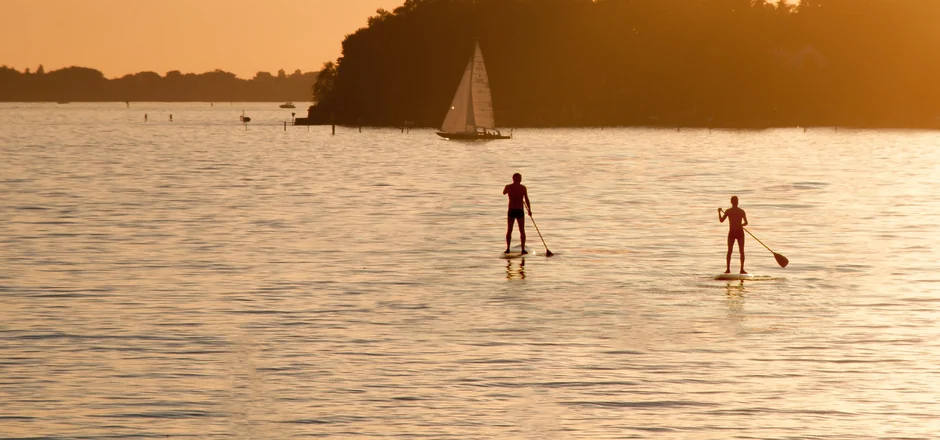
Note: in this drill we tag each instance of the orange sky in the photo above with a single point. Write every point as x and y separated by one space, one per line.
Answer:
129 36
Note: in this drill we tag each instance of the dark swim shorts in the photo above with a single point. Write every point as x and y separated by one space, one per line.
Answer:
736 235
516 213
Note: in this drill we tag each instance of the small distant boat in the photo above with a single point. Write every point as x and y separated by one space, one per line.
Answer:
470 116
288 104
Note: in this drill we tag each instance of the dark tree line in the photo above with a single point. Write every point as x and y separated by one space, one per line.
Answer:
735 63
84 84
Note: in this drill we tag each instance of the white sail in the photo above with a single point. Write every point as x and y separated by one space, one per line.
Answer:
472 106
480 92
459 117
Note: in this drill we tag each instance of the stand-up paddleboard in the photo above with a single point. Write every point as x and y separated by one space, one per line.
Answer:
516 252
734 276
743 276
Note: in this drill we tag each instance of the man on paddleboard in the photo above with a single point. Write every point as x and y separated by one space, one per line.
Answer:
518 204
737 221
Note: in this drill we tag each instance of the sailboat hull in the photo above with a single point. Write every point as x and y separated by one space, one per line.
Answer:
471 136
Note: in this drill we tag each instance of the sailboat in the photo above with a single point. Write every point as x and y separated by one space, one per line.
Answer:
470 116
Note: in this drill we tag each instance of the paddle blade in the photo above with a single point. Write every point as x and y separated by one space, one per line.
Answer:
548 253
781 260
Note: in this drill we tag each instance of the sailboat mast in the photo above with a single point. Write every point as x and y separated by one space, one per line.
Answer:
471 120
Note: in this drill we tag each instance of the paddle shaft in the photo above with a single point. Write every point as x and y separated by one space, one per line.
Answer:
547 252
758 240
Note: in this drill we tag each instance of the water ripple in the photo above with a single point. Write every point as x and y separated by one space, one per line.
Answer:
197 279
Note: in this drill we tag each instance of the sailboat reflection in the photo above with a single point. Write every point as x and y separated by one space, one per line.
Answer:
515 273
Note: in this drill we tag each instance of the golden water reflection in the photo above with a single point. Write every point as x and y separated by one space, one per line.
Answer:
199 279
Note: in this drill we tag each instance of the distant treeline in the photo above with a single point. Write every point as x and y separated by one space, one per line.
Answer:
733 63
84 84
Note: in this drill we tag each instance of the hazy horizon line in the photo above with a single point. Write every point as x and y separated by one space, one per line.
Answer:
33 70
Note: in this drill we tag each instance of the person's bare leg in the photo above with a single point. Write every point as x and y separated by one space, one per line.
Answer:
741 251
522 233
728 258
509 234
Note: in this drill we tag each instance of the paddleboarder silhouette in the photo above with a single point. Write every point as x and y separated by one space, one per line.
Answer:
518 204
737 220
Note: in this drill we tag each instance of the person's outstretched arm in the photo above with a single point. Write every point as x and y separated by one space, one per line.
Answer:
744 217
721 215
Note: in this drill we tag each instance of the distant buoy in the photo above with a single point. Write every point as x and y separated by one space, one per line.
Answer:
246 119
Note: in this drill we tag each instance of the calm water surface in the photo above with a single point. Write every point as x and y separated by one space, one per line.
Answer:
197 279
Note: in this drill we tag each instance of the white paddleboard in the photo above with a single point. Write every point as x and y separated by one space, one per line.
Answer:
516 252
743 276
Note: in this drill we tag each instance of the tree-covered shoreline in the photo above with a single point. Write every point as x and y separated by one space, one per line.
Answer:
82 84
720 63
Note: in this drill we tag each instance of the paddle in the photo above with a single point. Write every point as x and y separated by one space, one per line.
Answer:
548 253
781 260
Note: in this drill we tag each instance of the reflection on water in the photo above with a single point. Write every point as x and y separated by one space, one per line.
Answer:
735 290
515 271
200 279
